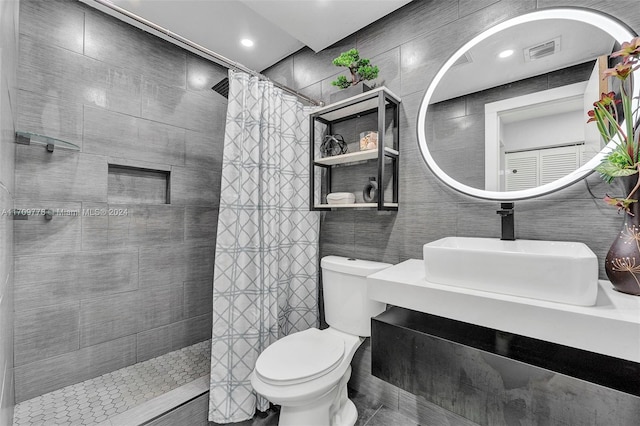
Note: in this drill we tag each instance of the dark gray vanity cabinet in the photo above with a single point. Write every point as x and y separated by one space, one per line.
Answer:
495 378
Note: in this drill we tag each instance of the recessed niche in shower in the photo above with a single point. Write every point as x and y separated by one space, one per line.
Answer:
133 185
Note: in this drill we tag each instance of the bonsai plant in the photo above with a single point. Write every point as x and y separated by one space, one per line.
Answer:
360 69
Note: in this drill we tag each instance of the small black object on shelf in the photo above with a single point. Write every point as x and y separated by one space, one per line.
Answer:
333 145
370 191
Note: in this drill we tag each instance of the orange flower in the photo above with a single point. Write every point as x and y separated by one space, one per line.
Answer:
607 101
631 48
621 71
620 203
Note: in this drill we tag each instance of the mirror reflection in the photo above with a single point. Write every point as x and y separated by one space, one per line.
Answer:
511 113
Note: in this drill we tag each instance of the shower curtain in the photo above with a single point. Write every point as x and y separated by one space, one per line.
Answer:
266 259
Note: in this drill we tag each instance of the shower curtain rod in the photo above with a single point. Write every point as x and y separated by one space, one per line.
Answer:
221 60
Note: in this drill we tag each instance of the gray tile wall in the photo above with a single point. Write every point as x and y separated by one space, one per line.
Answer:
8 116
411 45
95 293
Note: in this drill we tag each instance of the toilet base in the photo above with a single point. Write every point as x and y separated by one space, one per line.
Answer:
334 408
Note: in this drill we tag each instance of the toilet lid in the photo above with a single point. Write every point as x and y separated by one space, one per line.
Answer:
300 357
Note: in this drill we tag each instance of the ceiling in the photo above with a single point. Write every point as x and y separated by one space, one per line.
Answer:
277 27
483 69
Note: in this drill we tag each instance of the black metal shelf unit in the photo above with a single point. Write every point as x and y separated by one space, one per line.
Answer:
378 100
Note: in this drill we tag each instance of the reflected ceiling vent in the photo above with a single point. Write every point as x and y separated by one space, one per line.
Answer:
464 59
541 50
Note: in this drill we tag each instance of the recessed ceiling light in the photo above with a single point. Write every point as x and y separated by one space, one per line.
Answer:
505 53
246 42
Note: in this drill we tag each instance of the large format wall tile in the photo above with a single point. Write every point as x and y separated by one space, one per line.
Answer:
202 75
282 71
337 234
51 116
195 186
182 108
54 278
160 340
54 373
166 265
161 265
145 225
6 245
405 24
107 318
9 18
40 235
204 149
153 343
7 399
161 305
200 224
60 175
113 41
45 332
59 23
7 140
311 67
60 73
124 136
198 295
423 56
9 12
467 7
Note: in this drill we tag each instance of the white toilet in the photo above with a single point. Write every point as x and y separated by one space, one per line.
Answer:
306 373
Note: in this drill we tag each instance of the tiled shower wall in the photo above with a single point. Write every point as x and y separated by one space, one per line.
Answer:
410 46
95 292
8 67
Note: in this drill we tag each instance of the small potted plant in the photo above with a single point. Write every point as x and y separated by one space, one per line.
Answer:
360 70
618 121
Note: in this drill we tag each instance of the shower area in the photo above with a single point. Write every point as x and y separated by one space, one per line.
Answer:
115 218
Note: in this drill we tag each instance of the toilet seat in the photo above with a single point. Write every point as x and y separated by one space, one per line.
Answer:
300 357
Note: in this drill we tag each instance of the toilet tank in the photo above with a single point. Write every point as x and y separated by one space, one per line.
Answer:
347 306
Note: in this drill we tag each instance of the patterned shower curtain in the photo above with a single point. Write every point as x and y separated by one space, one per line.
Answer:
266 259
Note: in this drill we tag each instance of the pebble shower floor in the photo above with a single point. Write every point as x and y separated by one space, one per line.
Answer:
94 401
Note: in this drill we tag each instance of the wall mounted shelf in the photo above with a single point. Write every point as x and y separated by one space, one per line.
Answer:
378 101
26 138
388 206
353 157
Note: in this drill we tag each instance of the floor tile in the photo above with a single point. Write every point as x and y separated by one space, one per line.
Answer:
385 417
94 401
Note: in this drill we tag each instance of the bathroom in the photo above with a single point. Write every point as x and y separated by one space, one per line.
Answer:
83 297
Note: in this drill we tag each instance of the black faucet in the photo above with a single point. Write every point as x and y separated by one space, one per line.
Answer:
508 224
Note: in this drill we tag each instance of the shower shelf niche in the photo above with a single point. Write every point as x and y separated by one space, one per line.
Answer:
26 138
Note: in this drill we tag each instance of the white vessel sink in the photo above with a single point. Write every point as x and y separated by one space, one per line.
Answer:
564 272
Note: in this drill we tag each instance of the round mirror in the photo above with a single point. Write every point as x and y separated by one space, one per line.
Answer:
505 118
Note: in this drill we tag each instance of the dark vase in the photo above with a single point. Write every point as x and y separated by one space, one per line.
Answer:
622 263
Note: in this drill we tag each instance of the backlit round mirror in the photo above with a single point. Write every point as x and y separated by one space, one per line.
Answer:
505 118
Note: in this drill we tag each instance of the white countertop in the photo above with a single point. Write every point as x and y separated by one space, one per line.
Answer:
611 327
